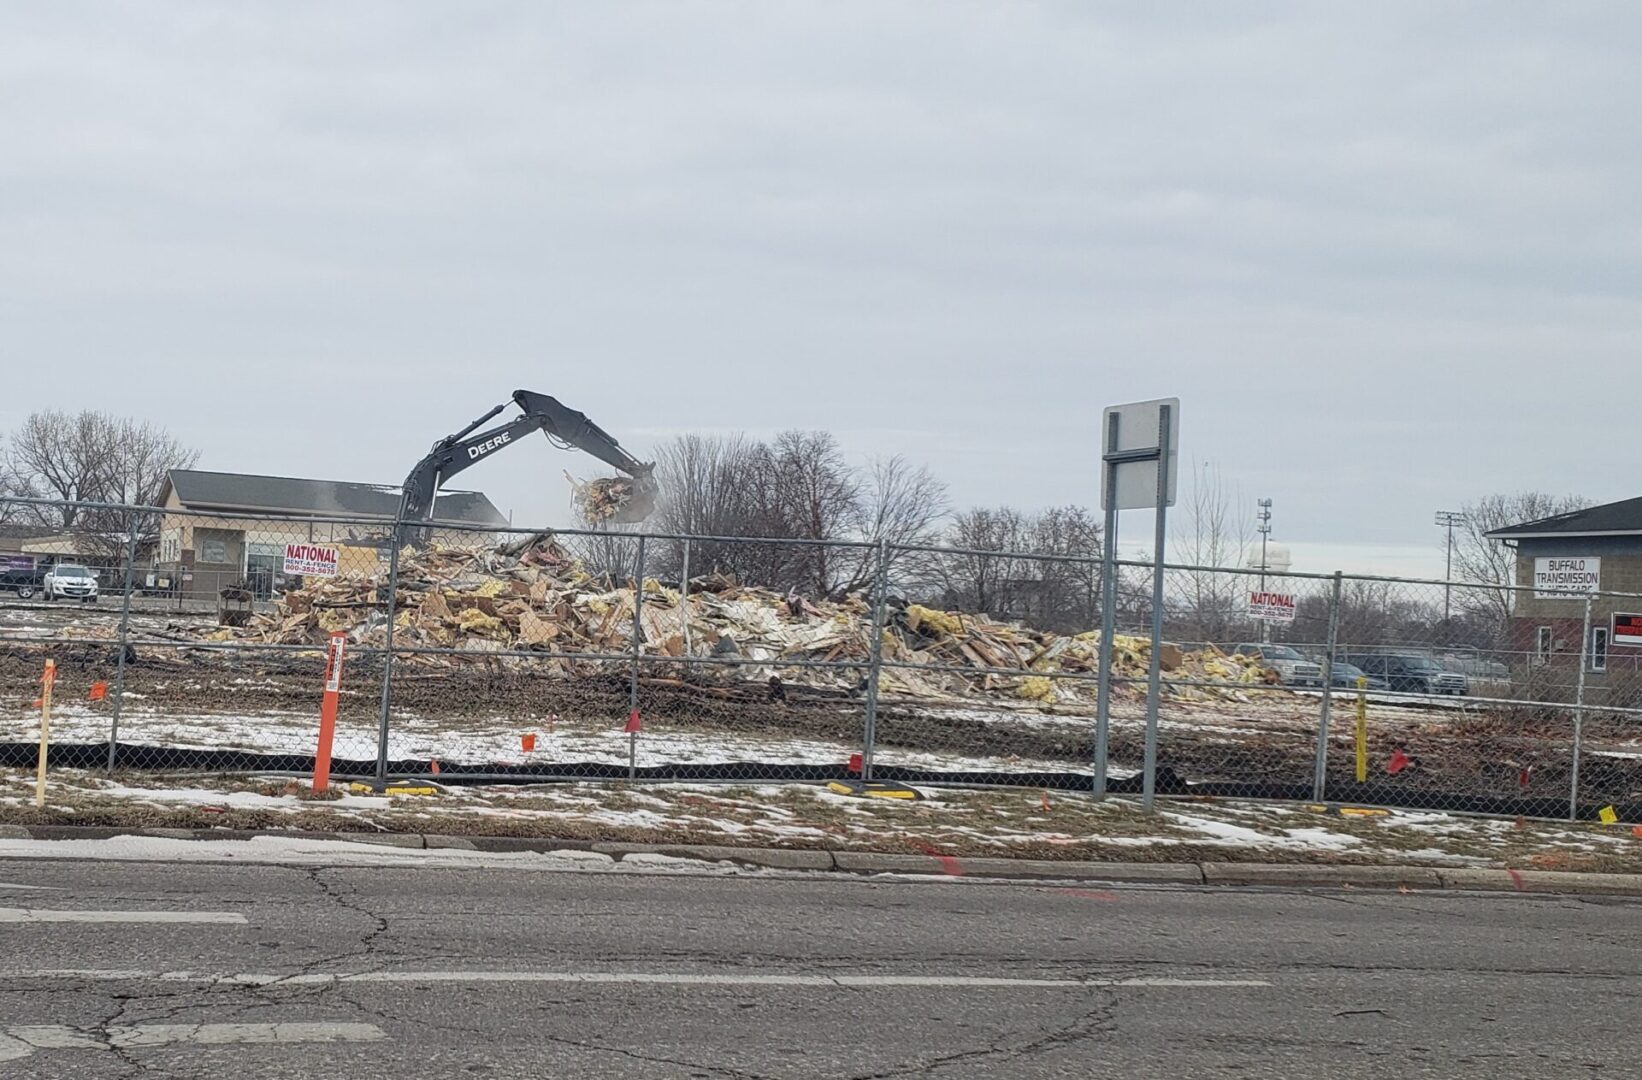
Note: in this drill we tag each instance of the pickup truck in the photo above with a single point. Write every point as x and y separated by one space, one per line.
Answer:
1291 667
21 576
1412 673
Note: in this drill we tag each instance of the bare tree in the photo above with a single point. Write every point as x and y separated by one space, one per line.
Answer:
134 475
1056 590
11 486
704 483
94 457
974 579
61 456
797 487
1482 561
1216 534
143 458
901 504
819 497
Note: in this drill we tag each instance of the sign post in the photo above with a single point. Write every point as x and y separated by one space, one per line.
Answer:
46 683
327 710
1141 445
1362 729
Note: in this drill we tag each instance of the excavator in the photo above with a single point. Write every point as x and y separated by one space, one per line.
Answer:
618 501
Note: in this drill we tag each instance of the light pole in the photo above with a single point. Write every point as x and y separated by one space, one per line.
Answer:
1264 518
1449 519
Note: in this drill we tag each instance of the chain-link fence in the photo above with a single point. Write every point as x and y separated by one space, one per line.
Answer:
186 639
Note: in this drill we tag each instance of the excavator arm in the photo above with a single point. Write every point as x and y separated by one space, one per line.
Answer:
562 425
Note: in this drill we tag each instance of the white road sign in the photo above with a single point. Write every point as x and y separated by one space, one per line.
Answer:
1138 426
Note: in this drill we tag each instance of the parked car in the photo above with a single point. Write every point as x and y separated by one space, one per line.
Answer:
1346 675
1291 667
1411 673
70 581
22 577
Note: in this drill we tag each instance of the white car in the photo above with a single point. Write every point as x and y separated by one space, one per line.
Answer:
70 582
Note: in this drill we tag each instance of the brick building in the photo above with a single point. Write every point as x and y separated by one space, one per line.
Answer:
204 545
1559 559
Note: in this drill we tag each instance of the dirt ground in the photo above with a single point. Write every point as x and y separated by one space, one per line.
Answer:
1266 741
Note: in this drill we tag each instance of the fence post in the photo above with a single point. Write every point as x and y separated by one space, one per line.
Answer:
396 537
124 639
633 677
1319 772
1579 712
1108 613
880 587
684 596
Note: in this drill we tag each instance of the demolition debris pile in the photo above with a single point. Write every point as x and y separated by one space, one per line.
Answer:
531 595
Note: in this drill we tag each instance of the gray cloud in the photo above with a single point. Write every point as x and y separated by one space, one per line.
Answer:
1388 254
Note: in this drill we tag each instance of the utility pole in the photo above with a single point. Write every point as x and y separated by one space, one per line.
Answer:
1448 519
1264 518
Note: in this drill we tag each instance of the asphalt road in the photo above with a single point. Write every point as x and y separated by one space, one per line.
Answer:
250 972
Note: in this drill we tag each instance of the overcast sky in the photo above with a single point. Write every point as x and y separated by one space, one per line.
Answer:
1387 254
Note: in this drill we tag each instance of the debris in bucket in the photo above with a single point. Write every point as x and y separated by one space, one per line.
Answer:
603 500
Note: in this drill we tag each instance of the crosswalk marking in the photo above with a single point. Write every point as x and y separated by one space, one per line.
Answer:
46 915
643 978
22 1040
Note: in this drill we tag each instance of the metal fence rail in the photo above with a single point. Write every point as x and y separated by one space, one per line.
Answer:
482 650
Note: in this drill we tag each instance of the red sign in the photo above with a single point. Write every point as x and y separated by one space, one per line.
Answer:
311 560
1627 630
1277 607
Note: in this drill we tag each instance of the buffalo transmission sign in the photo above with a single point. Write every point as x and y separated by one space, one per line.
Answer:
1561 578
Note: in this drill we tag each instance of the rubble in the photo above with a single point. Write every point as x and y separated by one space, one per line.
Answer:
532 596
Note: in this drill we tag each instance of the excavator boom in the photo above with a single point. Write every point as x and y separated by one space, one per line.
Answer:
562 425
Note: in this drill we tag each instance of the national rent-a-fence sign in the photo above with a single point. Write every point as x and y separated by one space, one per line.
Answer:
311 560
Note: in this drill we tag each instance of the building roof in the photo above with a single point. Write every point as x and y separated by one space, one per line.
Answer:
1622 518
17 532
60 544
197 489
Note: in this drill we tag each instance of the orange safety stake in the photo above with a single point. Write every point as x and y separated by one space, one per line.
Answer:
47 681
327 710
433 766
99 691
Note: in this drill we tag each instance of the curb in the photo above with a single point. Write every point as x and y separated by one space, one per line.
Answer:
1218 874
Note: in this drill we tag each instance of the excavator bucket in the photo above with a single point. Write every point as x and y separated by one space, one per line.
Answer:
614 500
